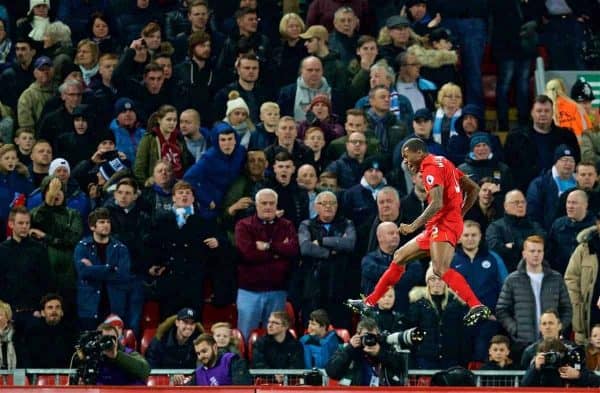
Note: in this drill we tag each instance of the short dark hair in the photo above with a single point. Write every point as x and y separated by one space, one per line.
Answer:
487 179
500 339
415 144
363 39
205 337
103 327
243 12
356 112
127 181
152 67
17 210
196 3
24 40
552 311
319 316
543 99
367 324
283 316
100 213
283 156
49 297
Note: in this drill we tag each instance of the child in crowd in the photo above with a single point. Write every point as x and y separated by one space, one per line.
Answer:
14 182
592 351
265 130
328 182
387 319
238 117
24 139
499 352
320 343
314 138
222 334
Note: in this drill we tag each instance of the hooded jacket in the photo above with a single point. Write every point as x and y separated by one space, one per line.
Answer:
11 184
215 172
164 350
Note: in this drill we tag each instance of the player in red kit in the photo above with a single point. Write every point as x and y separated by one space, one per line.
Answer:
443 220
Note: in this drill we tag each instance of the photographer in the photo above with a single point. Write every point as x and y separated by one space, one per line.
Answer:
105 362
557 365
369 359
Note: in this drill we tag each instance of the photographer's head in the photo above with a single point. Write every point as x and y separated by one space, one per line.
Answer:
52 311
550 324
206 349
367 337
277 325
185 324
108 330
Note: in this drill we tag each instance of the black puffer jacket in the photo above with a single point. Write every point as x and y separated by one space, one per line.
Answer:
164 350
268 353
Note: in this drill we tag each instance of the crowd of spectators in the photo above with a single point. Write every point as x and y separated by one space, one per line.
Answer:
250 152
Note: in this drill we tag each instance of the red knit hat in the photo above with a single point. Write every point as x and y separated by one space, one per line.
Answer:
114 320
320 98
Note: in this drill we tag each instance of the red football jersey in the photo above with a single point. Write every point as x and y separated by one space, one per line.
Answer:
439 171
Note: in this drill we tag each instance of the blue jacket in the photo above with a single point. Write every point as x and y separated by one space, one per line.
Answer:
562 240
10 184
485 273
90 279
348 171
358 204
317 351
214 173
124 141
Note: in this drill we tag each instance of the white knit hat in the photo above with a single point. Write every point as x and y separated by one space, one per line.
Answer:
57 163
33 3
237 103
114 320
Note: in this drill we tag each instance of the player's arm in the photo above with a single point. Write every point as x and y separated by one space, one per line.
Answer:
436 195
471 192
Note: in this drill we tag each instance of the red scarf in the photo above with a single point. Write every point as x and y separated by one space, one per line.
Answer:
169 150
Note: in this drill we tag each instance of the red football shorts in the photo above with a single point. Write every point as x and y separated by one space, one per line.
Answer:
439 233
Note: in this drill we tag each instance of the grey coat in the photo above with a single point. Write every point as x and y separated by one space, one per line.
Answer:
516 304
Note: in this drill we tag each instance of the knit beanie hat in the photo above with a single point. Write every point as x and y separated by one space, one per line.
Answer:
237 103
582 91
110 167
57 163
320 98
480 137
114 320
34 3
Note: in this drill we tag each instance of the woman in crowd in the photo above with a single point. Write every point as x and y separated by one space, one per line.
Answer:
238 117
86 58
58 46
8 354
289 54
449 103
101 33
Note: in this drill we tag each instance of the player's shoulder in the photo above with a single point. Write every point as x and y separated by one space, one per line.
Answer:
433 161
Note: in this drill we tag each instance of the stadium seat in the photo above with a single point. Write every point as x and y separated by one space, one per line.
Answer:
236 334
289 309
50 380
129 339
212 315
150 315
146 339
8 380
159 380
474 365
343 334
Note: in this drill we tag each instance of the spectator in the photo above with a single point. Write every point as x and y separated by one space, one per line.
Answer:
217 170
375 263
395 38
348 363
183 242
482 161
195 136
499 352
591 352
418 90
55 123
32 100
348 168
24 139
58 46
326 245
102 264
173 345
468 124
76 13
319 114
567 113
286 133
529 150
316 43
195 75
356 121
17 76
60 228
422 124
322 12
449 103
437 310
290 52
218 369
162 141
388 209
320 342
47 341
344 36
582 93
156 196
265 130
422 21
382 122
134 17
128 131
237 117
488 207
8 353
80 139
314 139
307 180
544 191
586 177
506 235
550 327
278 349
485 273
86 58
267 244
34 24
562 237
105 93
222 333
296 97
101 30
21 256
247 86
532 286
360 64
14 181
439 63
41 157
581 277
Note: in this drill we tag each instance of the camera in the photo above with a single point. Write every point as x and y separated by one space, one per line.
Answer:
369 340
553 359
313 377
573 357
89 349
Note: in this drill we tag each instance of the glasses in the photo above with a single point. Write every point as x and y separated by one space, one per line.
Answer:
356 142
327 203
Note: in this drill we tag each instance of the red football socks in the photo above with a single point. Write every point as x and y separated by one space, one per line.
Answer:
459 285
389 278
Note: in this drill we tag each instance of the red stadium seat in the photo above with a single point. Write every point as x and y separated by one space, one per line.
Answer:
474 365
8 380
289 309
129 339
254 335
240 341
150 315
146 339
343 334
212 315
158 380
50 380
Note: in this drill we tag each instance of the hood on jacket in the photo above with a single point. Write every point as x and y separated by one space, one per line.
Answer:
169 323
473 110
219 128
584 235
433 58
20 169
418 293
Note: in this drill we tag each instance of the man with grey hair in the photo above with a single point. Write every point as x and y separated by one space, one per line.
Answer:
326 246
344 35
61 120
266 244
